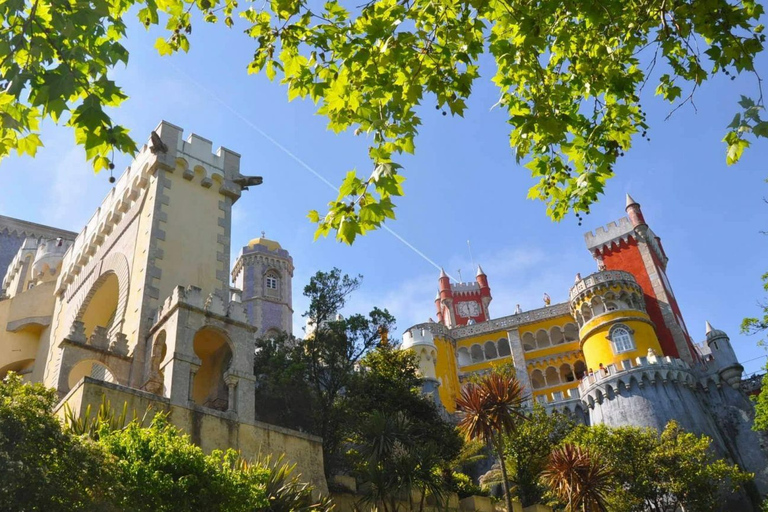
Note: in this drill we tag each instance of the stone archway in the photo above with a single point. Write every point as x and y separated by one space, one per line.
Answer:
214 350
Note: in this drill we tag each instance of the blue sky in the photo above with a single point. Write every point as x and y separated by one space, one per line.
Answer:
462 184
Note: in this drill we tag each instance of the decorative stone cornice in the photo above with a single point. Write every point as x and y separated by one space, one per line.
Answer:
22 228
511 321
602 280
595 387
192 298
612 233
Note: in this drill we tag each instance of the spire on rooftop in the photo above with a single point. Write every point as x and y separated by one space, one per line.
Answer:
630 201
480 271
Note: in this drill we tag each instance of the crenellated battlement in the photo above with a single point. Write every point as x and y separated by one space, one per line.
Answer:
613 380
603 280
415 336
192 158
49 254
465 288
28 248
433 328
621 229
192 297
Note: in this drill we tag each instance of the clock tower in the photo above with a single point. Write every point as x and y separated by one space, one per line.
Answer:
463 303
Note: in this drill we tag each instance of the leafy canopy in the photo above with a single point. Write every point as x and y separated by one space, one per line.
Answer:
569 74
660 471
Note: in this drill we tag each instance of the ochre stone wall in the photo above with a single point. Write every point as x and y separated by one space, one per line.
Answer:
210 429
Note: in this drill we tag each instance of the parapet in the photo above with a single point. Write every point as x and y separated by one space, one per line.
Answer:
418 336
28 249
192 297
432 329
511 321
615 379
465 288
603 279
49 254
603 236
189 157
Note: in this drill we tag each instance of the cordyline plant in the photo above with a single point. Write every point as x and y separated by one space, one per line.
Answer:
489 409
569 75
578 478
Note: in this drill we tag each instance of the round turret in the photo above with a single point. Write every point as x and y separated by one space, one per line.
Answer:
724 357
49 256
422 343
634 212
613 324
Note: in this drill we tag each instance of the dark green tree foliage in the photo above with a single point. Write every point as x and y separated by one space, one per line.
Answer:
570 76
398 442
334 349
301 381
528 448
159 469
118 466
283 394
661 472
42 467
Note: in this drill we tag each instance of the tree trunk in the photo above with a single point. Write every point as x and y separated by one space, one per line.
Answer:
504 477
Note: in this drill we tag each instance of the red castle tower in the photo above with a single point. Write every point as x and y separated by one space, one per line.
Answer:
463 303
630 245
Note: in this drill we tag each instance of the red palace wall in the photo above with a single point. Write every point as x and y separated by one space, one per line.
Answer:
627 257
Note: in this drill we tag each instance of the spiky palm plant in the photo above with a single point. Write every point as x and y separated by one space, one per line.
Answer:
578 478
489 409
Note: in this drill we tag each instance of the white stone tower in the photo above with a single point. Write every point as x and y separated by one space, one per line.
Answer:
263 273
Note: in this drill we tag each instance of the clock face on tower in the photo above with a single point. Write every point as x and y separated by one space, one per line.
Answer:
468 309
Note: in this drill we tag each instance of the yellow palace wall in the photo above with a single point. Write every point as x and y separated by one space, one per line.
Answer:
599 349
448 371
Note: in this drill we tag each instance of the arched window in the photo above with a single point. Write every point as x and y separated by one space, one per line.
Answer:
621 338
208 386
556 335
464 358
580 368
476 351
272 283
611 306
490 350
101 307
639 304
542 338
537 379
552 378
529 343
586 312
571 332
504 347
597 305
566 374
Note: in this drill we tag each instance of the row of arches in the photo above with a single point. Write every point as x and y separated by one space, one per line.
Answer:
553 376
488 351
606 303
555 336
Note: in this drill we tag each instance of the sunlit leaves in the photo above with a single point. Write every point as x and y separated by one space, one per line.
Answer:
569 75
569 78
54 60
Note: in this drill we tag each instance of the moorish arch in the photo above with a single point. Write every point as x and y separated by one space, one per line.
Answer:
214 349
110 286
